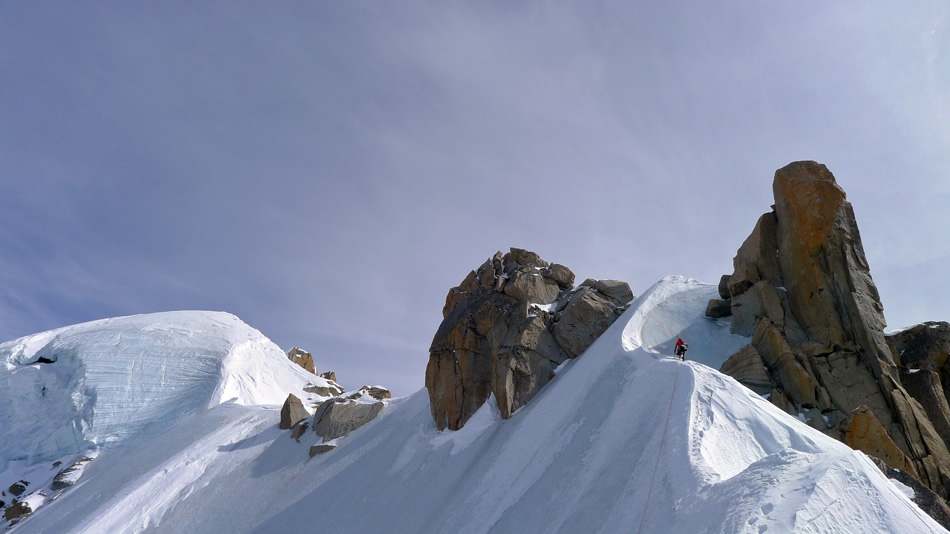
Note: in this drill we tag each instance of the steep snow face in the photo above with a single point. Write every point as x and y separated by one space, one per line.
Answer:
100 383
624 439
675 307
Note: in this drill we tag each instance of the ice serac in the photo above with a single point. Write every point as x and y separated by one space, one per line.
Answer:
802 289
506 327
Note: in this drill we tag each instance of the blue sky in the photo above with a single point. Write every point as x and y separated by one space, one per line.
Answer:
327 171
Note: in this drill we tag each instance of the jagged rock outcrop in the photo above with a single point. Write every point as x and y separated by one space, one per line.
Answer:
292 412
802 289
506 327
302 358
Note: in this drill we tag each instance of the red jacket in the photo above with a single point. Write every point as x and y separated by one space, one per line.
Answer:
679 343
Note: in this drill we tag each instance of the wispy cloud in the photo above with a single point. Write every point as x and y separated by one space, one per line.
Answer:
327 172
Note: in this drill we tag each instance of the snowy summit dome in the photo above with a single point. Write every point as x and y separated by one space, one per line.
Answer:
102 382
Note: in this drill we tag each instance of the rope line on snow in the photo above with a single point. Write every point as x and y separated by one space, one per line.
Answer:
660 452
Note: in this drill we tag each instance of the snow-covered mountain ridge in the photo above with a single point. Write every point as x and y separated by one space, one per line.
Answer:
66 393
105 380
625 438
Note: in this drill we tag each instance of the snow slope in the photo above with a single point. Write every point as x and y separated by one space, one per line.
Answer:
624 439
66 393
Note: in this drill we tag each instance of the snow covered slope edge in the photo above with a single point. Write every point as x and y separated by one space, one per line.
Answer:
97 384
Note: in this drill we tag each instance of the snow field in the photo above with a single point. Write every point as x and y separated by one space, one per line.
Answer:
580 457
110 379
70 392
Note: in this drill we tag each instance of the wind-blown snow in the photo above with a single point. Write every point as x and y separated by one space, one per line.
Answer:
111 379
584 456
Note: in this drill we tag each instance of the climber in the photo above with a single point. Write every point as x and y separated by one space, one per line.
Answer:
680 348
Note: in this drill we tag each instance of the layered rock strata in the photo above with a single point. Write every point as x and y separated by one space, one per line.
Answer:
802 290
505 329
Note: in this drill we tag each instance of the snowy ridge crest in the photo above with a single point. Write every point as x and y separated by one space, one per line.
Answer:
101 383
624 439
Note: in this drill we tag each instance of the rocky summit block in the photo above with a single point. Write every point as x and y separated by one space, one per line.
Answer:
506 327
802 290
330 389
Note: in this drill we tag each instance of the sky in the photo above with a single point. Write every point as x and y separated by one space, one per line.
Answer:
326 171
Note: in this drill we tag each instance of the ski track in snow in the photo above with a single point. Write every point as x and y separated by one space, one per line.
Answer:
578 458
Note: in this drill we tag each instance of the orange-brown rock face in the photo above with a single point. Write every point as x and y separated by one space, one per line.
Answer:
802 290
863 432
824 268
302 358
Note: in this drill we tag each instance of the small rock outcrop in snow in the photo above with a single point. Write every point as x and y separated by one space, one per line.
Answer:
506 327
292 412
17 511
302 358
802 290
377 392
321 448
329 387
18 488
339 416
68 476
